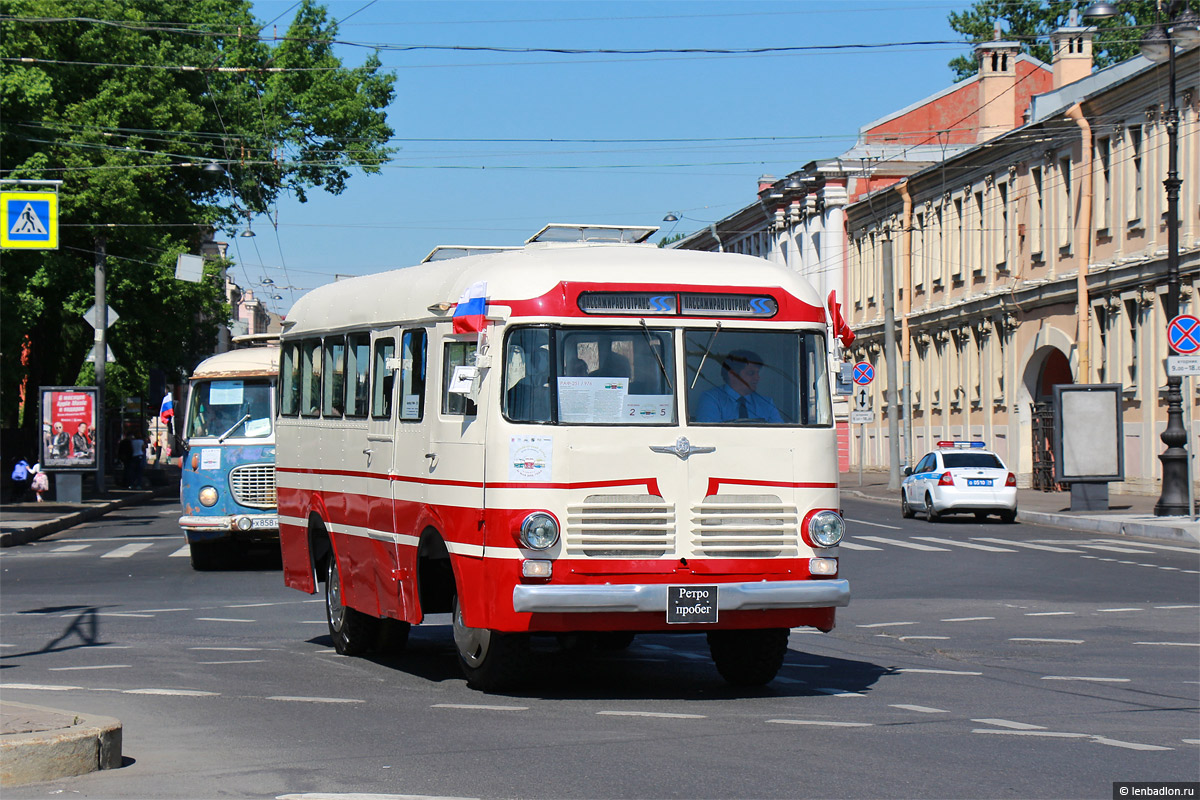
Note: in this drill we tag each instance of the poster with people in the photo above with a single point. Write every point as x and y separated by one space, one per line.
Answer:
68 428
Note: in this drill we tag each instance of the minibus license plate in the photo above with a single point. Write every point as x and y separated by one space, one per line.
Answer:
979 482
264 522
691 604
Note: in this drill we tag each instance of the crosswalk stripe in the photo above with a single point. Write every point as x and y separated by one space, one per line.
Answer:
1030 545
127 550
853 546
952 542
909 545
1116 549
181 552
70 548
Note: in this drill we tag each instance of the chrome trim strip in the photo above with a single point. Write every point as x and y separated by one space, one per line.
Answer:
757 596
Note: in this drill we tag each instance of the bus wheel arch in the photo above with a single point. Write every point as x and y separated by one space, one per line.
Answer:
320 547
435 574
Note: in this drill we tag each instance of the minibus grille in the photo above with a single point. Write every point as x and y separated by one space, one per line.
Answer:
621 526
745 526
253 485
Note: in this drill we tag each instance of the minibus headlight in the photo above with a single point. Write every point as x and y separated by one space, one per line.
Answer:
539 531
208 496
826 528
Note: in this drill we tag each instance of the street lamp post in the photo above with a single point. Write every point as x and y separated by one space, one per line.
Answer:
1159 45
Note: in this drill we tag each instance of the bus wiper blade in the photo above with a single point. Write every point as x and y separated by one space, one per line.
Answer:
229 432
707 350
661 367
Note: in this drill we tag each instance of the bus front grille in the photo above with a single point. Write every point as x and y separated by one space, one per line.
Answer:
620 526
745 526
253 485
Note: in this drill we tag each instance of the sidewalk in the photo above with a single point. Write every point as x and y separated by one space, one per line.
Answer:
1128 514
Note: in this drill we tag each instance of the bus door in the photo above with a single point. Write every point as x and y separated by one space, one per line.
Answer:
411 470
372 560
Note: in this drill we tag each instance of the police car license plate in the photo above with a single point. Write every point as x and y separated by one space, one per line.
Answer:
264 522
979 482
691 604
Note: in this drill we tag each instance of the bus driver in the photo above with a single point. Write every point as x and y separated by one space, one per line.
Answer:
738 399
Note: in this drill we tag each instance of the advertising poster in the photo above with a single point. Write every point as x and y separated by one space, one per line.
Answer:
68 428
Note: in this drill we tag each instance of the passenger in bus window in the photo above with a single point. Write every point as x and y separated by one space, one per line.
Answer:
529 398
738 400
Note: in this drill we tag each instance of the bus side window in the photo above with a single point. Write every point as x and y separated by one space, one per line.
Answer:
333 399
456 354
412 375
289 380
382 379
358 370
310 378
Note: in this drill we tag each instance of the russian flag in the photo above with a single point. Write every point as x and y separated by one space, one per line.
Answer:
471 312
840 329
167 409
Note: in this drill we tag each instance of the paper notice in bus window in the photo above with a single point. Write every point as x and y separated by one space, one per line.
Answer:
592 399
210 459
258 427
225 393
529 458
646 409
411 407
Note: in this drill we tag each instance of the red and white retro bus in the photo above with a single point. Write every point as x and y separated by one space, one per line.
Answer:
587 434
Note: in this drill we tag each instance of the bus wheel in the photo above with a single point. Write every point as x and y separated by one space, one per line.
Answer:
748 658
490 660
207 556
353 632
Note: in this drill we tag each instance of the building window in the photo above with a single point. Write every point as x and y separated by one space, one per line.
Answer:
1137 176
1104 199
920 255
979 248
958 247
1063 213
1037 210
1001 235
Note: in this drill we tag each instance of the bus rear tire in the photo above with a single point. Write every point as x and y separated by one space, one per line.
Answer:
353 632
748 658
208 556
490 660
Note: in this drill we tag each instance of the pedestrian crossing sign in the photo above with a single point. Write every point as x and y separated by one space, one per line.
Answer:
29 220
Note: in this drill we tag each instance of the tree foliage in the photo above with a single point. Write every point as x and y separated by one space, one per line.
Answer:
124 103
1031 22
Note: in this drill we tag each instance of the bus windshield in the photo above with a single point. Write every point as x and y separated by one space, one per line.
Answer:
626 376
230 408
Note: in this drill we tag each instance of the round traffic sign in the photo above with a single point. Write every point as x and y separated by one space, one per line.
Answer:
1183 334
864 373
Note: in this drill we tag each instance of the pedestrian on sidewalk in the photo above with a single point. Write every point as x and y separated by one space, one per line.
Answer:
138 461
19 480
40 483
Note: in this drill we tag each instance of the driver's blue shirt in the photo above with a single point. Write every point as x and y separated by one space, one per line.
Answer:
721 404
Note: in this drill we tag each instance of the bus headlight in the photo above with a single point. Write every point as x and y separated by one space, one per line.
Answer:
208 496
539 531
825 528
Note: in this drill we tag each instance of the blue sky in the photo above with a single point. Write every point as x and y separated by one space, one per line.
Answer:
634 136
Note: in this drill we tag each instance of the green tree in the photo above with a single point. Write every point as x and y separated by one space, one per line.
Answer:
1030 22
124 103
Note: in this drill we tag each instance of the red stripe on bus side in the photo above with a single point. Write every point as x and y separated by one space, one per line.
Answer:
714 484
651 484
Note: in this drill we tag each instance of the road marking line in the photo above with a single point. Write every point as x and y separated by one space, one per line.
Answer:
173 692
70 548
114 614
807 666
230 649
470 707
127 550
222 619
186 550
656 714
1110 549
1172 548
1050 614
839 692
1172 644
253 605
853 546
40 687
1031 546
789 680
161 610
936 671
290 699
953 543
906 638
1173 607
248 661
1052 734
1127 745
1110 610
919 709
1172 569
95 666
884 624
966 619
1008 723
821 722
1045 641
874 524
1082 678
901 543
1190 741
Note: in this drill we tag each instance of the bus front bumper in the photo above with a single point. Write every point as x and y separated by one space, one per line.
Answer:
254 524
757 596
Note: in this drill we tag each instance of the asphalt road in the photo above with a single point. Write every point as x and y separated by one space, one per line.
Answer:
975 660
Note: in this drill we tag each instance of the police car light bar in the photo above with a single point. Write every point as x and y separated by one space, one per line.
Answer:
958 444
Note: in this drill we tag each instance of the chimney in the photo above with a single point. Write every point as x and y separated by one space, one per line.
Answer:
765 182
997 87
1072 48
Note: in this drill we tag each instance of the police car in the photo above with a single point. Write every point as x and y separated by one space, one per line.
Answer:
959 478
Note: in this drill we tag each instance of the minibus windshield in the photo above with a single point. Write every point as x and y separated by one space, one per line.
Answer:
236 409
626 376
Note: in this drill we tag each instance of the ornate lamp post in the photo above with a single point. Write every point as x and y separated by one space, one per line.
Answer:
1159 45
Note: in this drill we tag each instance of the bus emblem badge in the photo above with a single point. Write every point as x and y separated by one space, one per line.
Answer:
682 448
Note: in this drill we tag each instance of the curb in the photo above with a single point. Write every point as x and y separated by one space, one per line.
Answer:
42 529
88 742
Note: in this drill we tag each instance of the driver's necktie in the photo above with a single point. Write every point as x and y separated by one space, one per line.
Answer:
743 411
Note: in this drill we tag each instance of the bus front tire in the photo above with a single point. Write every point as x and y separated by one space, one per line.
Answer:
352 632
207 556
748 657
490 660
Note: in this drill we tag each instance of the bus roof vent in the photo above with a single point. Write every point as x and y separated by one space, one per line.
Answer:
447 251
561 233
